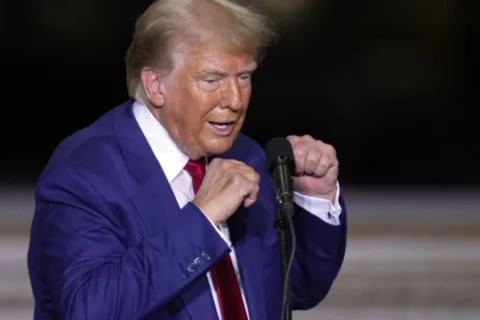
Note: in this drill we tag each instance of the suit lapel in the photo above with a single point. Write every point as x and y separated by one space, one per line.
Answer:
153 197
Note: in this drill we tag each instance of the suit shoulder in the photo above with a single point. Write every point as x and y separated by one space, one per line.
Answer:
89 175
91 148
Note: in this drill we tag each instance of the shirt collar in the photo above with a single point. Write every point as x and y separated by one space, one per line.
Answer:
171 158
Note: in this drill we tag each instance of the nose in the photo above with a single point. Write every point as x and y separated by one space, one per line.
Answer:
232 96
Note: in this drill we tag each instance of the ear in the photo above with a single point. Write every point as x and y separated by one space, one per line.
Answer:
153 87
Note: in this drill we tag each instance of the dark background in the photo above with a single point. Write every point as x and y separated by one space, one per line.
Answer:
393 85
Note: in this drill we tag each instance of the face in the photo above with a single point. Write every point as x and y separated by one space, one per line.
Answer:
203 101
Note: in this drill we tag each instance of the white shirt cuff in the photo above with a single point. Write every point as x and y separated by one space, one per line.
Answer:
219 231
322 208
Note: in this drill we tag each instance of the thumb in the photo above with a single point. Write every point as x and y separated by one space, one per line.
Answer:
251 194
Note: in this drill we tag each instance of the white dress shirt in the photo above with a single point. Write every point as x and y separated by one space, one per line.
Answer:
173 160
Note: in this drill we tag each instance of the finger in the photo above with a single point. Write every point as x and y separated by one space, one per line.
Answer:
251 176
234 168
296 139
325 166
248 202
222 165
252 195
332 173
322 166
248 173
293 139
233 163
327 161
307 138
300 152
244 186
330 178
312 160
329 150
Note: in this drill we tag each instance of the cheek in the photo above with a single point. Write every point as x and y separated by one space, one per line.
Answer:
204 103
246 94
197 109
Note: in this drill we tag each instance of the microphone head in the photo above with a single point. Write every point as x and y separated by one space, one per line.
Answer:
279 151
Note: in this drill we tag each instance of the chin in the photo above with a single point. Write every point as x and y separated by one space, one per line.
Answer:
218 147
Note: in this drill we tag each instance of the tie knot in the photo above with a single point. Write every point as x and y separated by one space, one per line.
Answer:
196 169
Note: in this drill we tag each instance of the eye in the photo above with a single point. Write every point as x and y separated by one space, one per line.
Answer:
245 79
210 84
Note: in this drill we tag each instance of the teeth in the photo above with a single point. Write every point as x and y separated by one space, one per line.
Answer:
220 126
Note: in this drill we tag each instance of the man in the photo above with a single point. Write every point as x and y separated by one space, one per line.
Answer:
128 225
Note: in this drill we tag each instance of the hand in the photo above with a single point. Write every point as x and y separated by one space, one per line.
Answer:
227 185
316 167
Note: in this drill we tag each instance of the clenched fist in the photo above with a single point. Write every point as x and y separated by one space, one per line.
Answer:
227 185
316 170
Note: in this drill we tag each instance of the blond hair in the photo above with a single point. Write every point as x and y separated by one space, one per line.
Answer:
198 24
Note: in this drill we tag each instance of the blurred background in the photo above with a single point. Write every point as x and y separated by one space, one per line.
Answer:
393 85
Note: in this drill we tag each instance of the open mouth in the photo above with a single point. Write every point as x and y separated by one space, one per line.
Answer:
221 128
221 125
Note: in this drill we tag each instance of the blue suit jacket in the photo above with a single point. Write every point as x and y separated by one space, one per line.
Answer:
108 240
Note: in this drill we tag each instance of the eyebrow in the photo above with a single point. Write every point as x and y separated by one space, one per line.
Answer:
213 72
249 69
217 73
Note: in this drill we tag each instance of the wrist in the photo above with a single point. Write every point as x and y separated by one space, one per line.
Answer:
207 213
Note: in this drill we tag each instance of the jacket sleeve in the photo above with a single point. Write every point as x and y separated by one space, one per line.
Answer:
320 247
86 266
320 251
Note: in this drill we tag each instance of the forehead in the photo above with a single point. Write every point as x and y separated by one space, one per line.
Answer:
199 61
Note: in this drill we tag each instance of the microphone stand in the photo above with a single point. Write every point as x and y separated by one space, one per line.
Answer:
282 226
283 180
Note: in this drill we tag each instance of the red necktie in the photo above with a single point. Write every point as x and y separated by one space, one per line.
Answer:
223 274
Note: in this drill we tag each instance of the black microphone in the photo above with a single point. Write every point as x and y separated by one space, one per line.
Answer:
281 165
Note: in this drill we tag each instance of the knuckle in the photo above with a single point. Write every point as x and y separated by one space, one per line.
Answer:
307 137
330 149
311 158
325 163
299 153
236 179
253 188
292 139
215 161
226 163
